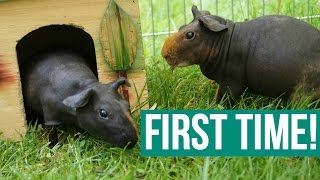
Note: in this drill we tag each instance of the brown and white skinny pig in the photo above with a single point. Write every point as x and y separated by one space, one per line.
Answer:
59 86
269 55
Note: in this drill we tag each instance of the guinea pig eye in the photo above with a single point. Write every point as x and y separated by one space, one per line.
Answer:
103 113
189 35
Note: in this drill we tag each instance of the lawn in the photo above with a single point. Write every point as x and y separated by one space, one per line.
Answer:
80 156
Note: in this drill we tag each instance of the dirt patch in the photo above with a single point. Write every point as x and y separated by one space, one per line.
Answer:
6 77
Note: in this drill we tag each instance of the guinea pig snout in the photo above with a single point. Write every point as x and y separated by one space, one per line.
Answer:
164 53
170 46
127 139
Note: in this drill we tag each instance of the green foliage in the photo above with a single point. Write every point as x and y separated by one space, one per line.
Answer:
83 157
188 88
80 156
170 16
179 89
119 31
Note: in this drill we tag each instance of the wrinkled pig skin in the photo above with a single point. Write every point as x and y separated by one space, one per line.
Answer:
59 85
269 55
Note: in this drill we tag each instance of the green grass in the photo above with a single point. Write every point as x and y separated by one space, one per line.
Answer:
242 10
83 158
80 156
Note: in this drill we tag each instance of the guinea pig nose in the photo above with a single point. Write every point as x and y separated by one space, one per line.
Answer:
164 52
164 55
131 140
127 142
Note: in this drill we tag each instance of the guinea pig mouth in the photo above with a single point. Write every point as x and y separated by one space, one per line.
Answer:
175 64
172 62
121 140
124 141
172 65
128 145
183 64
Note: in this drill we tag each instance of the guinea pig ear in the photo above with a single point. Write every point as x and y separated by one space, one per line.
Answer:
212 24
79 100
196 13
120 81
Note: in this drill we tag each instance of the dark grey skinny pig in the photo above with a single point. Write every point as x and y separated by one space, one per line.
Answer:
60 86
268 55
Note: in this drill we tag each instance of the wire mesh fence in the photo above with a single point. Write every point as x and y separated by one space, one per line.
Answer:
161 18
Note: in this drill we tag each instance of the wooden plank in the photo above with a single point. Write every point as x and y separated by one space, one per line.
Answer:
20 17
12 124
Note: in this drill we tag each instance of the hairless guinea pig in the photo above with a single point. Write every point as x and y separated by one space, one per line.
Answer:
60 86
269 55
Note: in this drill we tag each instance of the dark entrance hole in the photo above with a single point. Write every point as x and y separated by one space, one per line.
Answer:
51 37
